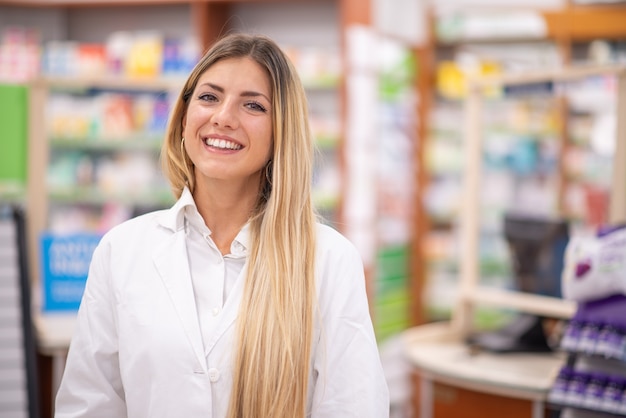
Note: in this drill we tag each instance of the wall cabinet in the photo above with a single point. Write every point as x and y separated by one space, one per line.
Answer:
579 193
101 148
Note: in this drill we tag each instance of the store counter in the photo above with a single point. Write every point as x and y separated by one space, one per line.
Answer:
54 332
454 378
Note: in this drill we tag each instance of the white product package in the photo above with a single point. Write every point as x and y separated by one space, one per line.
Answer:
595 266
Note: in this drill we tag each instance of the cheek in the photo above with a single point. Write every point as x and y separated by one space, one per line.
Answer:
266 136
269 149
187 122
195 116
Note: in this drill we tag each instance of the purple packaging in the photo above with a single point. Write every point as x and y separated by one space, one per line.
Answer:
616 343
558 391
571 337
606 340
588 337
621 406
576 388
620 351
604 311
594 392
612 396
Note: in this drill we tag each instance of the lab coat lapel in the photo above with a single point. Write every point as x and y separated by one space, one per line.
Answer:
172 263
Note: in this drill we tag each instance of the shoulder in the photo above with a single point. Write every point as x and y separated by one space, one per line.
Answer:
128 244
340 279
336 255
135 232
329 240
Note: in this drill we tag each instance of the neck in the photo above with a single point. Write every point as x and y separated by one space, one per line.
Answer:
225 210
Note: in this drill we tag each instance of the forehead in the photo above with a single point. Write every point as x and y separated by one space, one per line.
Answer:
237 73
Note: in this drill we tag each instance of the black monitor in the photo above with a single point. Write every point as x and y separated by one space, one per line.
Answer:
537 247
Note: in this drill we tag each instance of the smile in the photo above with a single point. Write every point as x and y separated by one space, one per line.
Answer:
222 144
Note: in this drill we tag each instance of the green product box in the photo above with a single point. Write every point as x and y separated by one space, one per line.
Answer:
13 133
392 299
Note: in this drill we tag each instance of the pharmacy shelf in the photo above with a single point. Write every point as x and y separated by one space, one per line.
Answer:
150 143
110 83
95 196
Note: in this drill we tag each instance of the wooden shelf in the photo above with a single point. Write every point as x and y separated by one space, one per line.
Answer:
88 3
92 195
67 3
586 23
127 143
554 75
524 302
110 83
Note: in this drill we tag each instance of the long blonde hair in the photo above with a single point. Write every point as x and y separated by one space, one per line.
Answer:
275 323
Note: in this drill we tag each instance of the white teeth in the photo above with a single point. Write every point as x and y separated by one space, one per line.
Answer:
221 143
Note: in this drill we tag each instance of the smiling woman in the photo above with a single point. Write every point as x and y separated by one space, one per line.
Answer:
256 309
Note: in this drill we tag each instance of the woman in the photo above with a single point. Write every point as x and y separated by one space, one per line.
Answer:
235 302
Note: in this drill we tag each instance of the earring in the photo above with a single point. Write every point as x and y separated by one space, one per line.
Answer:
267 187
182 151
268 172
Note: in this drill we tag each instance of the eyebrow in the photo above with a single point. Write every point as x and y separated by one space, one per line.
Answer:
247 93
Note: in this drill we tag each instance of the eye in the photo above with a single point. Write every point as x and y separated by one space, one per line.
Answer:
256 106
207 97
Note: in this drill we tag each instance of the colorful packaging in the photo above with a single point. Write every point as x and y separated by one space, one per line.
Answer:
595 266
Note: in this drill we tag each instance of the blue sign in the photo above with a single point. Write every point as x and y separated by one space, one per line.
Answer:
65 263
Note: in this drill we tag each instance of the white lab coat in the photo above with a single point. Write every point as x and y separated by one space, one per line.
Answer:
138 351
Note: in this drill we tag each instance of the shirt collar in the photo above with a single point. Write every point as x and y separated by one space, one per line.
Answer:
243 239
185 209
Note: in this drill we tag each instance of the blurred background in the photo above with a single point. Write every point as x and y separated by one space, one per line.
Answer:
85 93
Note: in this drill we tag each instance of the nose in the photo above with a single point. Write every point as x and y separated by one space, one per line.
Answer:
225 115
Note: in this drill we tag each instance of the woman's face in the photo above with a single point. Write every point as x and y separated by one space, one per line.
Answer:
228 125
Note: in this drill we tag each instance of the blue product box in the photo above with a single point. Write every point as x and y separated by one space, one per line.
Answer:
65 263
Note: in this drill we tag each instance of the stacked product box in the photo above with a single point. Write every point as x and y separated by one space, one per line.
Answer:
594 377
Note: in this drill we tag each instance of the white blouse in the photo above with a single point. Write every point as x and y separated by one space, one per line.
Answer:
212 274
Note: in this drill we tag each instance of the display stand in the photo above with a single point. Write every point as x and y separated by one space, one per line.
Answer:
18 374
470 292
438 351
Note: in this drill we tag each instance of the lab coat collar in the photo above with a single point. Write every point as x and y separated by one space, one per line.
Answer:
174 218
